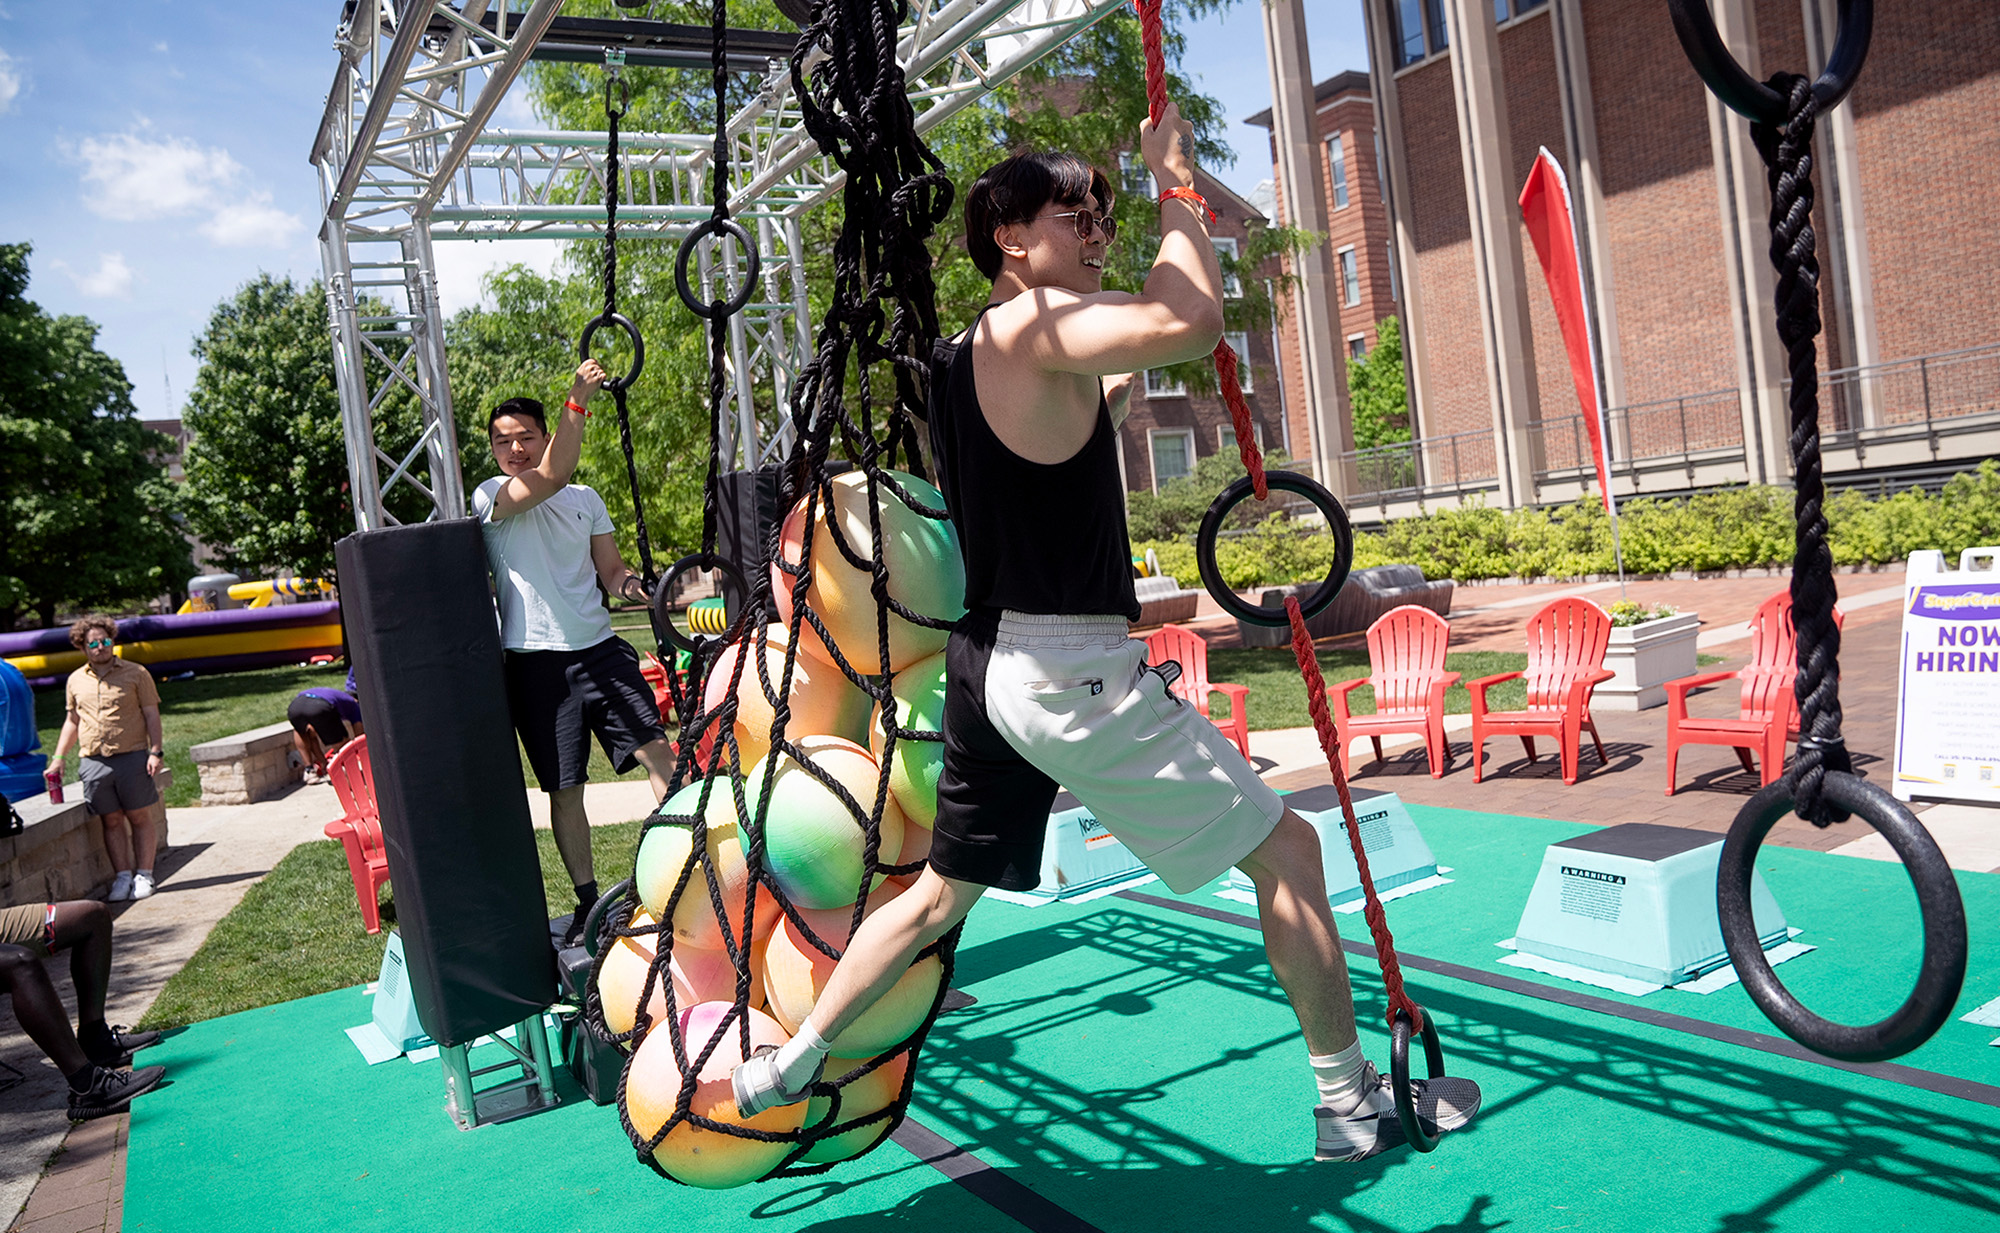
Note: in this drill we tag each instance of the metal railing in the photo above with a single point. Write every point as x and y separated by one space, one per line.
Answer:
1685 431
1453 464
1890 401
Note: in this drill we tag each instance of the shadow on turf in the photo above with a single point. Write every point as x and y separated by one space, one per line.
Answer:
1829 1130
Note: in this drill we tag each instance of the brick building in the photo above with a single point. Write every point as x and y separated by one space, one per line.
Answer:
1671 207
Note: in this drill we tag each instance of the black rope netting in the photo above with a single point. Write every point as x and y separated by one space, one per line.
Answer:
855 104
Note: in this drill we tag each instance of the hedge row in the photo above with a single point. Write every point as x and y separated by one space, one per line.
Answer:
1736 528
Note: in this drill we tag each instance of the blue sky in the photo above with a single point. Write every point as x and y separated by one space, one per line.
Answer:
154 153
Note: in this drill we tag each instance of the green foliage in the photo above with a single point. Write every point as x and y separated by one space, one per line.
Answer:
1735 528
87 502
1625 612
1377 390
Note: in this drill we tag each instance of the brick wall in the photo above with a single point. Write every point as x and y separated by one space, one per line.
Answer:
1454 339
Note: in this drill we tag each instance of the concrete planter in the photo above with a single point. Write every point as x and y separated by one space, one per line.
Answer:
1643 658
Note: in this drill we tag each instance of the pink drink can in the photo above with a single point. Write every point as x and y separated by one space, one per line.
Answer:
53 777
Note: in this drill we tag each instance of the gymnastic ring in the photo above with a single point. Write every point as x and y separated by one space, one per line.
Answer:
1399 1075
1942 972
735 303
1854 22
1336 526
663 624
593 921
623 322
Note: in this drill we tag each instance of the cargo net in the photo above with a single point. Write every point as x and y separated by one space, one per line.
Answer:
810 743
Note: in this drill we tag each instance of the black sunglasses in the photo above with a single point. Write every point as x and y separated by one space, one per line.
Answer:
1086 219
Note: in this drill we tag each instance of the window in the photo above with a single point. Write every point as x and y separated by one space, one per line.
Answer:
1173 455
1159 385
1505 9
1389 259
1350 278
1419 29
1239 342
1225 247
1133 176
1336 169
1357 346
1225 436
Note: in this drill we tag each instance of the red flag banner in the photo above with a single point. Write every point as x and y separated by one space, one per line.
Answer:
1545 207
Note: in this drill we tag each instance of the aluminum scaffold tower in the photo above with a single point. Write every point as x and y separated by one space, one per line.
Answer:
405 158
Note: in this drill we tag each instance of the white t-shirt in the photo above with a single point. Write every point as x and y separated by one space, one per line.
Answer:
542 569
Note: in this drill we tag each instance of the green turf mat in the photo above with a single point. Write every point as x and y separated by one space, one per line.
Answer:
1135 1066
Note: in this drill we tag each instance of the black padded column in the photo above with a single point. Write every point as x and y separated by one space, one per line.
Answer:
426 651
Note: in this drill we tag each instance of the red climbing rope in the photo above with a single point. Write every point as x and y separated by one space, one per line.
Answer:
1225 359
1302 642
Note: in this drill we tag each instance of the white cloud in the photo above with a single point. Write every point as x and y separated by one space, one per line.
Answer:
461 264
131 177
111 280
10 82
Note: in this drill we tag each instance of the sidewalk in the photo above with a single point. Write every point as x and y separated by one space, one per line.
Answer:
219 852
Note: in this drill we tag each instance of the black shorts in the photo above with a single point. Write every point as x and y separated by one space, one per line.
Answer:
307 711
559 698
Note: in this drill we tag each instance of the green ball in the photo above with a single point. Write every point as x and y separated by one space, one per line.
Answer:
813 845
916 765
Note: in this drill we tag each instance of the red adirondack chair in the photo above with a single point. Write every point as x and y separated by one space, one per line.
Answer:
1190 650
360 829
1566 643
1767 713
1406 648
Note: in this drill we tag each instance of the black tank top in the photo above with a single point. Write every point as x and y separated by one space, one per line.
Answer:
1044 538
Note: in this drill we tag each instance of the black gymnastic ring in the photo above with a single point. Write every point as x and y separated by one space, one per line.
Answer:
663 624
735 303
593 920
1854 22
1939 978
1399 1075
623 322
1336 526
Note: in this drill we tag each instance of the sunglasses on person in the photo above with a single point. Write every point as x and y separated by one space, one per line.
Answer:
1086 219
97 643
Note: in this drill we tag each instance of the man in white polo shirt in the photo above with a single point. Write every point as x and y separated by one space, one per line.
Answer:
550 545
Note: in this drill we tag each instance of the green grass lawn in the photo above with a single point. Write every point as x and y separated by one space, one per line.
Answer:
298 931
208 707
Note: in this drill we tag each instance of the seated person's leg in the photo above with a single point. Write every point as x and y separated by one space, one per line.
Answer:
39 1008
83 927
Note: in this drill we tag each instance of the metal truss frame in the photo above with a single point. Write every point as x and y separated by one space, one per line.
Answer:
404 158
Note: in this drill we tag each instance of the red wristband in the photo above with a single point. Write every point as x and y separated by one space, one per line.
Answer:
1188 194
573 405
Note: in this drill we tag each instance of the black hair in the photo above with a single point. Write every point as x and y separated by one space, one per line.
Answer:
1015 191
523 408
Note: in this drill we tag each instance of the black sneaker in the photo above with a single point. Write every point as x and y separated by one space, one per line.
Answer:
573 933
111 1090
117 1045
1445 1103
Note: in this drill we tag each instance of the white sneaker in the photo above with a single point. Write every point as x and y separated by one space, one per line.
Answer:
142 885
121 887
757 1085
1444 1103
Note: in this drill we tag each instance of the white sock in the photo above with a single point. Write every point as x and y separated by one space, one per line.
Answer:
799 1058
145 873
1342 1078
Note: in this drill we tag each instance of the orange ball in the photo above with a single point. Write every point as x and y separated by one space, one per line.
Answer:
870 1093
622 976
795 974
926 572
665 852
711 1159
822 700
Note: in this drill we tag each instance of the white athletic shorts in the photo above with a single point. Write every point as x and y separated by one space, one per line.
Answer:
1033 702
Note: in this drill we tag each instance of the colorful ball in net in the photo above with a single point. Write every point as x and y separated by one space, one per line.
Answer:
813 843
711 1159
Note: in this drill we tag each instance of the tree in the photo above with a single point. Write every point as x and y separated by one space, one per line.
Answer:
1377 391
86 495
267 483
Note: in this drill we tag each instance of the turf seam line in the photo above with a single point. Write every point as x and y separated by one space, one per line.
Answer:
1893 1072
996 1189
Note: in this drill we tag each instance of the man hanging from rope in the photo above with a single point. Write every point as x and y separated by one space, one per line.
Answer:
550 545
1044 683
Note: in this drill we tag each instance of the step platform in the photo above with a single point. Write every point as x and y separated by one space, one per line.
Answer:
1637 901
1079 855
392 1029
1397 853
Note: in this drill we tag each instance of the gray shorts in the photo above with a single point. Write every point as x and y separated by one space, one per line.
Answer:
117 784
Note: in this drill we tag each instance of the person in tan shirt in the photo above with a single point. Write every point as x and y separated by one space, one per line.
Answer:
112 713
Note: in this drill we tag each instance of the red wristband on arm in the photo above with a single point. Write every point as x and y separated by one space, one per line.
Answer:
576 406
1188 194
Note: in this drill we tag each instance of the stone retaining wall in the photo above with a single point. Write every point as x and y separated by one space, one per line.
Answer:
61 853
249 766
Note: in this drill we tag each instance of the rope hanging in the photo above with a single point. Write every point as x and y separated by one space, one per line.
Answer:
614 112
855 104
1150 36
